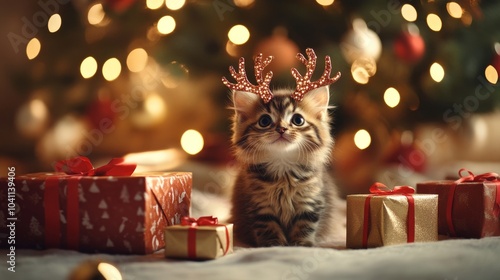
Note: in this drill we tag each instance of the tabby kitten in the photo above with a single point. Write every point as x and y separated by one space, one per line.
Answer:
283 193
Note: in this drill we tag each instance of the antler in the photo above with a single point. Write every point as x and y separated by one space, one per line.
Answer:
304 84
262 87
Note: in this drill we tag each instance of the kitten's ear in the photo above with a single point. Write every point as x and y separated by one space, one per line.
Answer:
318 100
244 101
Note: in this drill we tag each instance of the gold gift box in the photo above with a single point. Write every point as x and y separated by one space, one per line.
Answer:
210 242
388 219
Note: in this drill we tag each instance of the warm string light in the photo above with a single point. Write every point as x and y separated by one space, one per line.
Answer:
238 34
491 74
96 14
192 141
437 72
174 4
454 9
325 2
231 49
111 69
166 25
362 69
154 4
243 3
409 12
496 46
33 48
54 23
88 67
392 97
362 139
109 271
137 60
434 22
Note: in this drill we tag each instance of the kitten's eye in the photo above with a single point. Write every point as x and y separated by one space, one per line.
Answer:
265 121
298 120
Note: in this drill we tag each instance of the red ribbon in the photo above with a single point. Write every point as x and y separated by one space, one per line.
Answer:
202 221
82 166
75 168
485 177
378 189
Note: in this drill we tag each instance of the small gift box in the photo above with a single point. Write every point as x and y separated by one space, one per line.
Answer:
386 217
468 207
106 209
202 238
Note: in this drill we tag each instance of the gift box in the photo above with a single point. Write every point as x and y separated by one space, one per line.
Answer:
199 239
468 207
387 217
95 210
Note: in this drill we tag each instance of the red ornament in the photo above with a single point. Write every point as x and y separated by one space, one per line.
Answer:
100 111
410 157
496 62
119 5
409 47
281 48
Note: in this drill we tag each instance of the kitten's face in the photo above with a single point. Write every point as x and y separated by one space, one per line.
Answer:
283 127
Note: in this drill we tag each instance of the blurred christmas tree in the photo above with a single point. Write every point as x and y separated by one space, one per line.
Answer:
149 70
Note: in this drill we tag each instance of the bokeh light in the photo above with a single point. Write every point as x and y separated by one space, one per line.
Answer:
108 271
155 106
362 139
154 4
363 68
409 12
54 23
392 97
434 22
243 3
325 2
137 60
166 25
175 4
437 72
238 34
88 67
491 74
96 14
192 141
454 9
111 69
33 48
231 49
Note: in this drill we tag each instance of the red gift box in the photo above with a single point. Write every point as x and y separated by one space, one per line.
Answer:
110 213
468 207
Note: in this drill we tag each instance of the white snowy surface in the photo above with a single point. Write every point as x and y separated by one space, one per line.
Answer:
450 259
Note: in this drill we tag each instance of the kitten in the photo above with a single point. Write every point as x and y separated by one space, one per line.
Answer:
283 193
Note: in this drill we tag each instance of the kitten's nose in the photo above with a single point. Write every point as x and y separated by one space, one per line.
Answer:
281 129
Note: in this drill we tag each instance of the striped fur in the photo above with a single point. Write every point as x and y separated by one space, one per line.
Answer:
283 194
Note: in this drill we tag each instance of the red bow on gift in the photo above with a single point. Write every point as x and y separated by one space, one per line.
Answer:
201 221
75 167
82 166
381 189
485 177
489 176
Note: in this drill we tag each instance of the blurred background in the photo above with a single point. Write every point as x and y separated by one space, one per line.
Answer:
418 96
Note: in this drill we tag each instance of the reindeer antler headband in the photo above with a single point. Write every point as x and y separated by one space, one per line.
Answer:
304 83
